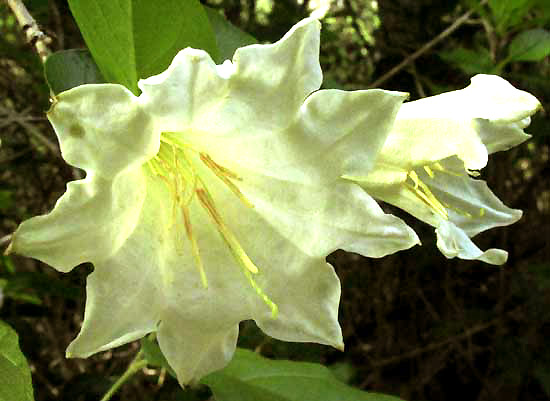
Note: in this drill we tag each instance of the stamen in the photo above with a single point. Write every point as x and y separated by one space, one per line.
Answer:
238 252
178 173
473 173
216 167
194 245
439 167
272 305
423 192
429 171
223 173
458 211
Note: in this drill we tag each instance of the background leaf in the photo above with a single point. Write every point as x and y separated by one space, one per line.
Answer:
15 375
251 377
531 45
470 61
228 37
69 68
507 13
133 39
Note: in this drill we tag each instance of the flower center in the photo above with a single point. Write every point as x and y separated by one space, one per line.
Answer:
174 166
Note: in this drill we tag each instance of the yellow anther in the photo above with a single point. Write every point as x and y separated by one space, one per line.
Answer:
216 167
481 212
225 174
458 211
236 249
429 171
439 167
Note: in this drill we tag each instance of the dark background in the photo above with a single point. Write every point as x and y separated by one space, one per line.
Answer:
415 324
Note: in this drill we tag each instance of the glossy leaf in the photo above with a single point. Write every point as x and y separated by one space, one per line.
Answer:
70 68
133 39
251 377
507 13
15 375
532 45
228 37
470 61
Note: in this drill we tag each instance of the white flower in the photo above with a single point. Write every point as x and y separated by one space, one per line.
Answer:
214 197
436 144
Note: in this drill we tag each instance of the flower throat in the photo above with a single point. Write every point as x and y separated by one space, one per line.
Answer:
175 168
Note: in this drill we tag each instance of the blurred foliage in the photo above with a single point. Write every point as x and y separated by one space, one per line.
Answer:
415 324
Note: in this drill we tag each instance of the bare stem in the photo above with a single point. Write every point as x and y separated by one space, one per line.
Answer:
453 27
38 39
137 364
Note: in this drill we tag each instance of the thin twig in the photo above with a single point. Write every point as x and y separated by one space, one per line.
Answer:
35 132
38 39
434 346
453 27
137 364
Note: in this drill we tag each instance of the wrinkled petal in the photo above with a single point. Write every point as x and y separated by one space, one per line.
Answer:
453 242
92 211
489 111
321 219
103 129
216 109
216 100
470 205
424 164
121 306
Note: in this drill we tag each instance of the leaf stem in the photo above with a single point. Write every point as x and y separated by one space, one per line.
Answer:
38 39
137 364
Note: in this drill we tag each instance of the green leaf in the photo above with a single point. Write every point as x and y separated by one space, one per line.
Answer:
69 68
250 377
531 45
470 61
542 374
134 39
32 286
228 37
15 376
508 13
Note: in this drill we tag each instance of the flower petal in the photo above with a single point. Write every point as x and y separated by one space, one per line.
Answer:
474 207
260 86
103 129
192 350
307 312
123 301
437 127
282 74
320 219
453 242
343 130
92 211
